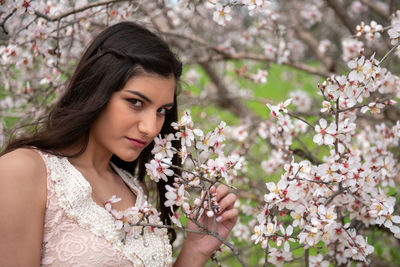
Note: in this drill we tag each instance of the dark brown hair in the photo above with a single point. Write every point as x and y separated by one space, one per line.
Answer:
117 54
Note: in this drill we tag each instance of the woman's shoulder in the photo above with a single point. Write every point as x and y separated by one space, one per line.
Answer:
23 200
22 165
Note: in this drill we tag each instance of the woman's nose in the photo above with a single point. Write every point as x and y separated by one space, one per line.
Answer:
149 124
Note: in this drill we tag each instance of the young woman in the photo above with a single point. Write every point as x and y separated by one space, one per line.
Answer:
54 184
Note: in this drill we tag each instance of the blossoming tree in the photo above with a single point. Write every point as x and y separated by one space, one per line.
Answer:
329 160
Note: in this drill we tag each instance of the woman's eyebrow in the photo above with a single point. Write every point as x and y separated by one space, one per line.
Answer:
140 95
148 99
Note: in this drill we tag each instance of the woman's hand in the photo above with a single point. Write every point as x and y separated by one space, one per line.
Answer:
198 248
226 219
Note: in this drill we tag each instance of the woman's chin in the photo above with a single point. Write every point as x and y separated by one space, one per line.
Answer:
128 157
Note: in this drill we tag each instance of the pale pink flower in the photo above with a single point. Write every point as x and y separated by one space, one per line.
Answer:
325 135
357 72
186 136
318 261
298 216
276 109
258 235
252 4
164 146
351 48
359 251
324 46
112 200
175 196
326 106
285 238
301 100
222 14
394 33
260 76
185 120
159 168
373 107
26 6
279 257
175 219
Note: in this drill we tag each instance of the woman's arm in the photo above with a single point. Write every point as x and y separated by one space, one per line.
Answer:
22 206
198 248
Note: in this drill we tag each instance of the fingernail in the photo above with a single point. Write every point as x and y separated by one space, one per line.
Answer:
219 218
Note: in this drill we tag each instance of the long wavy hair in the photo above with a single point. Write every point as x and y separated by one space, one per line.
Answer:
116 55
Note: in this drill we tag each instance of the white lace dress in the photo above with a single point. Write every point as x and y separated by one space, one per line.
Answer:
79 232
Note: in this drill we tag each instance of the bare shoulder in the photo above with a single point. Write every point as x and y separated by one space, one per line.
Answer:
22 163
23 171
23 203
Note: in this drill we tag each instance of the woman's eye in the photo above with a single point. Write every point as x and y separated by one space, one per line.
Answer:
135 103
162 111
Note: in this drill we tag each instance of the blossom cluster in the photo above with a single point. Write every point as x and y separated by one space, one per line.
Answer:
130 219
372 31
312 201
204 164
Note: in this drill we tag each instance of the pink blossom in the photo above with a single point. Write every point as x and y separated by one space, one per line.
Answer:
325 135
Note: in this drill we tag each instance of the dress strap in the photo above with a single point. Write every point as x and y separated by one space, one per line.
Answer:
133 184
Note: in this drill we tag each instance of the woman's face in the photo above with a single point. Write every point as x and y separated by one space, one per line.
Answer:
134 116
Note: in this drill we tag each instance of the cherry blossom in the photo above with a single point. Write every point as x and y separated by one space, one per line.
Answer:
326 106
164 146
394 33
279 257
325 134
260 76
351 48
221 14
357 74
285 238
324 46
358 248
301 100
276 109
159 168
318 261
175 196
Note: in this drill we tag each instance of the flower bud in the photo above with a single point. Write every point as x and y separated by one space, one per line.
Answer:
197 201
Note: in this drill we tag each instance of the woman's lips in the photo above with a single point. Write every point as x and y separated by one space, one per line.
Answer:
137 142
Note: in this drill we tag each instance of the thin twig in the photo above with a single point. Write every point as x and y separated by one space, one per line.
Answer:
388 53
2 24
74 11
301 119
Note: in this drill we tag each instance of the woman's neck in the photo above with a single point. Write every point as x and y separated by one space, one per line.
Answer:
94 158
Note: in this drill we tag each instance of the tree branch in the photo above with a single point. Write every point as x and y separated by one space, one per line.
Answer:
74 11
341 13
377 9
240 55
2 24
233 105
259 57
313 44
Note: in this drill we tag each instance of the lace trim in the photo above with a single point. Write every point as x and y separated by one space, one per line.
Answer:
74 195
133 184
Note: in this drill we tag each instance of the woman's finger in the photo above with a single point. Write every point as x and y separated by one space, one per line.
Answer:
231 214
222 190
228 201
